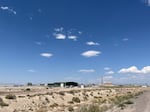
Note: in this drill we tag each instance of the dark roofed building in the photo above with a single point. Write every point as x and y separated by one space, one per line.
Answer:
66 84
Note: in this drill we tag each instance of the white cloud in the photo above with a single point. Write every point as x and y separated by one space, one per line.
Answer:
79 32
72 37
125 39
147 2
39 10
8 9
60 36
4 8
31 18
59 29
86 71
47 55
107 68
108 77
134 69
31 70
38 43
92 43
91 53
110 72
61 33
146 70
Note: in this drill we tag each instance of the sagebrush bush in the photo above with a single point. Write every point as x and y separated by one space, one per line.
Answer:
62 93
10 96
70 109
89 108
76 99
2 103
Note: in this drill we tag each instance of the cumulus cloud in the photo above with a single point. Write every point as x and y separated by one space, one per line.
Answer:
79 32
147 2
31 70
47 55
107 77
72 37
110 72
61 33
59 29
38 43
39 10
60 36
92 43
91 53
10 10
107 68
86 71
125 39
135 70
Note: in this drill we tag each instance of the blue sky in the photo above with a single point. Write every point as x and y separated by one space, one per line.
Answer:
74 40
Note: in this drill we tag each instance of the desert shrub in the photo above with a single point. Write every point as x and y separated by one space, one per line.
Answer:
28 89
92 108
99 101
53 96
122 105
47 100
70 109
85 98
76 99
62 93
54 105
128 102
2 103
70 102
104 108
21 96
49 93
89 108
10 96
83 108
91 93
71 92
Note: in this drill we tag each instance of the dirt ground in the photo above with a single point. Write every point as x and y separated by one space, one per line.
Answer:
141 104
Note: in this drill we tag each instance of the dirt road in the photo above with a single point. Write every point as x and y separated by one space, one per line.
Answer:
141 104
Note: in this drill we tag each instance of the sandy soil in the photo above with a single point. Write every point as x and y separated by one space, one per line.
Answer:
141 104
43 99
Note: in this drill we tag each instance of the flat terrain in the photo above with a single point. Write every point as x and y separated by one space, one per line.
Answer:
141 104
44 99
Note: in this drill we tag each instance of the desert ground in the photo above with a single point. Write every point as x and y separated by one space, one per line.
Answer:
93 99
141 104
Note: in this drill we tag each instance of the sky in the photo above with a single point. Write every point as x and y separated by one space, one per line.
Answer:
45 41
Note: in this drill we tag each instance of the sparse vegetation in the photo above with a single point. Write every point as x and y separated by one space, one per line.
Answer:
2 103
128 102
70 102
76 99
10 96
28 89
70 109
54 105
62 93
93 108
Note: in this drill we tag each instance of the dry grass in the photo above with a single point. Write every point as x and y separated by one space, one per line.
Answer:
10 96
2 103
